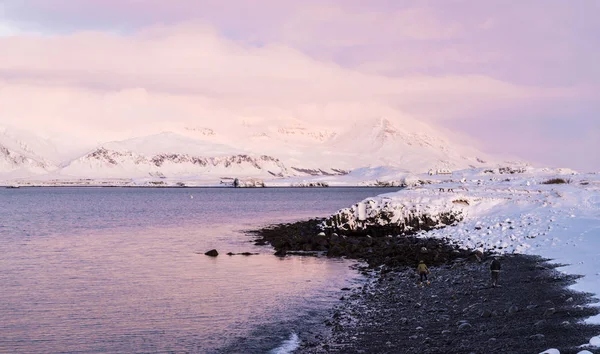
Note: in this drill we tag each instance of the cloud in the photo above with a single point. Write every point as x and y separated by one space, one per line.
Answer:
465 64
195 60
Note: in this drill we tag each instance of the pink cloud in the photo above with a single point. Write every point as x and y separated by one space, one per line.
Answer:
462 63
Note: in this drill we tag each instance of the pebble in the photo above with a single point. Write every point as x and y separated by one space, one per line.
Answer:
539 323
549 312
464 326
486 313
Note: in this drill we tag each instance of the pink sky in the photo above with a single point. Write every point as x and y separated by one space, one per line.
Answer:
519 77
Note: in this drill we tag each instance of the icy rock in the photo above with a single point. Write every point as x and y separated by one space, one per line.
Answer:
551 351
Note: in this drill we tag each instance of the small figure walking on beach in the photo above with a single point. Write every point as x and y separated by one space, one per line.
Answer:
423 271
495 270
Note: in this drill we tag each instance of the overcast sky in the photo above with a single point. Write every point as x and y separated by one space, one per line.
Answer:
520 77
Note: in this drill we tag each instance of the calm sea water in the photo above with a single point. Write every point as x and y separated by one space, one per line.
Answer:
117 270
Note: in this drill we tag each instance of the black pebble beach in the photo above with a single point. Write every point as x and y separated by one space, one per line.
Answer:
459 312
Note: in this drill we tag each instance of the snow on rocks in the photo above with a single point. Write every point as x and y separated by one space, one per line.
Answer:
551 351
552 213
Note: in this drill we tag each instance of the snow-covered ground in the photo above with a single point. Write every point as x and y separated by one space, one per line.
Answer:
505 212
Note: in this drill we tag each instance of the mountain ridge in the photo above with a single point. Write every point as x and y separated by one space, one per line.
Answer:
286 149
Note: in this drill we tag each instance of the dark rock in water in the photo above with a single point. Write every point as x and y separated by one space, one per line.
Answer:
280 253
212 253
376 248
241 254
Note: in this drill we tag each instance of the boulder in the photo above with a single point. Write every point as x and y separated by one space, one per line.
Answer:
212 253
281 253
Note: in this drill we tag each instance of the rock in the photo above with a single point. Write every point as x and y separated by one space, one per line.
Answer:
414 337
280 253
549 312
464 327
446 331
537 337
419 328
539 324
531 307
403 320
486 313
212 253
513 309
569 299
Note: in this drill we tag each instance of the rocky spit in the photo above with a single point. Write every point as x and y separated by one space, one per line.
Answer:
459 312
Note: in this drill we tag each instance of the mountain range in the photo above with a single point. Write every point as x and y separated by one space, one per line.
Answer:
267 151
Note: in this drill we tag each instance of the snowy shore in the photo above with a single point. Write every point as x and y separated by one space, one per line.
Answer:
550 213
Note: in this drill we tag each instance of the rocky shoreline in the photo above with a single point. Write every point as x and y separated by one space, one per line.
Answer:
533 309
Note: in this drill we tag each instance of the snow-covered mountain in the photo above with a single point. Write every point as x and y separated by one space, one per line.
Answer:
19 158
267 150
174 155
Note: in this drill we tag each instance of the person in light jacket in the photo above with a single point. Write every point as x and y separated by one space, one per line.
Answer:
422 270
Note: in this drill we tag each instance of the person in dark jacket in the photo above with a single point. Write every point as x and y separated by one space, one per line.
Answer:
495 270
